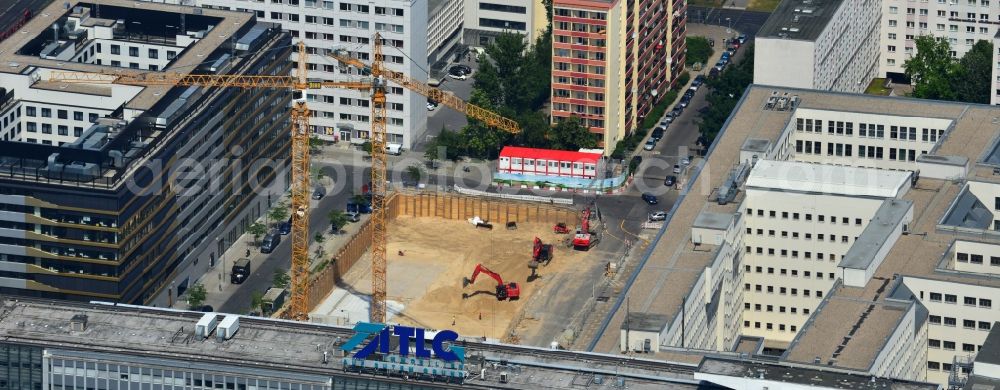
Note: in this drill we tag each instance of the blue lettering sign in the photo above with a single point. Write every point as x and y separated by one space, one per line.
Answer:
381 342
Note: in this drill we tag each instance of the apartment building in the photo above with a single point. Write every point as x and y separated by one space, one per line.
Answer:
898 195
444 30
961 22
826 45
610 62
91 206
485 19
327 25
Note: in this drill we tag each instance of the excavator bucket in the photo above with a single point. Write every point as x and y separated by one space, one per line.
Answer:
466 282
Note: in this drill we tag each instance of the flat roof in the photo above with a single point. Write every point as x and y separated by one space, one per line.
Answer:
645 322
806 177
186 62
807 376
889 215
846 332
716 221
967 211
799 19
287 346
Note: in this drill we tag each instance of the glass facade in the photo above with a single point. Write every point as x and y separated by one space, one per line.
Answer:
20 367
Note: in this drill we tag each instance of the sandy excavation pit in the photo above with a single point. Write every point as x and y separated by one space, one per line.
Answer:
438 253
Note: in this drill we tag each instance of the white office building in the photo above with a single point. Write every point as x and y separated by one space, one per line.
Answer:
839 231
825 45
326 25
485 19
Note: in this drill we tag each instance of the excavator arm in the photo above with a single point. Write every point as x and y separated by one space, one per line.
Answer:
482 269
486 116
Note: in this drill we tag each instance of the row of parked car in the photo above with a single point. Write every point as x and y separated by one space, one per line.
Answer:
733 45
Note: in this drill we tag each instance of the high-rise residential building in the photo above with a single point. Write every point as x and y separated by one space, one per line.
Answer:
128 193
613 60
962 23
825 45
485 19
840 231
327 25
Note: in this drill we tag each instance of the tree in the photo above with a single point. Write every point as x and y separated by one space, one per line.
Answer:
315 144
257 302
280 279
337 219
534 130
448 144
319 238
571 134
279 214
698 50
971 79
413 172
196 295
256 229
367 147
930 69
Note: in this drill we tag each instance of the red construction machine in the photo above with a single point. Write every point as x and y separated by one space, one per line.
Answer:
560 228
584 239
541 252
504 291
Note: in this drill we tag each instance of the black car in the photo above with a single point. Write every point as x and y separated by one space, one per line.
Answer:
649 198
636 160
657 134
670 181
689 94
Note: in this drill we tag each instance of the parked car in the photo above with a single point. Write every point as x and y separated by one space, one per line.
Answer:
270 241
684 102
649 198
657 134
677 169
686 160
670 181
464 68
676 112
353 217
698 80
742 39
666 121
636 160
658 216
319 192
649 145
363 208
431 106
285 228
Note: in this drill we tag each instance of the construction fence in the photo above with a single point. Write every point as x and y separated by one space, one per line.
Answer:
441 205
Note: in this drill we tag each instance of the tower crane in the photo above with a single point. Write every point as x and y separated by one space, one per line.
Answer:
299 84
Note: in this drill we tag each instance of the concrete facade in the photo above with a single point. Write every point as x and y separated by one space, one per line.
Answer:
485 19
829 46
325 25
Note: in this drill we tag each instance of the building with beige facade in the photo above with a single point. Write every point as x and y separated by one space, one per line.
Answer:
836 231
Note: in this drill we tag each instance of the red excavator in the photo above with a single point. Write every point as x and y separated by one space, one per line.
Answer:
541 252
504 291
584 239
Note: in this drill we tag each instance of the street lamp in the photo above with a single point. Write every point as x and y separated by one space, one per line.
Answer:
729 29
222 251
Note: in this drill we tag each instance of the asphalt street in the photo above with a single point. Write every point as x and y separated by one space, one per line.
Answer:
445 116
747 22
11 10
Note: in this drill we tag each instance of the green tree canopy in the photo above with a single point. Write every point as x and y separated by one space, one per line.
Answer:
196 295
571 134
971 78
280 279
930 68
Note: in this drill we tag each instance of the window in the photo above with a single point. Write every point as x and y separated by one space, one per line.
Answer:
62 130
62 114
133 51
935 297
949 321
934 319
985 303
963 257
77 116
116 50
968 347
949 298
932 343
969 301
949 345
984 325
976 259
968 324
46 112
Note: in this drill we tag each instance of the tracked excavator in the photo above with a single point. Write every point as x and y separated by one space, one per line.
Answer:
509 291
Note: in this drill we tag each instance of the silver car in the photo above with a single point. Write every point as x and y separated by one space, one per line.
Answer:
658 216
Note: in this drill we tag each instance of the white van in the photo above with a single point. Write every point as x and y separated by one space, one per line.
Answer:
394 149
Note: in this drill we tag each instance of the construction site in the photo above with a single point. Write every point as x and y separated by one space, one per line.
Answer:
465 264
